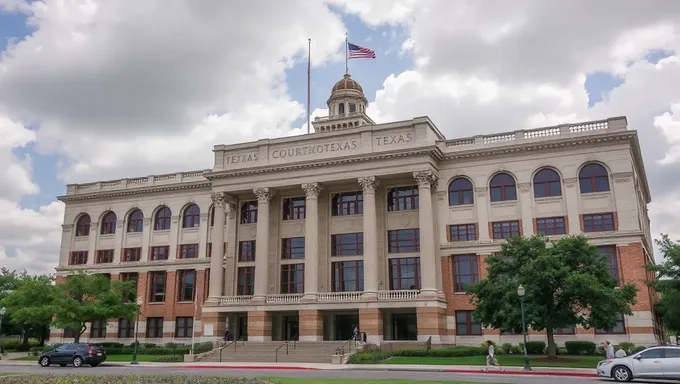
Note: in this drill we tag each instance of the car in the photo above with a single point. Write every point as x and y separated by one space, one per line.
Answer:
660 363
73 353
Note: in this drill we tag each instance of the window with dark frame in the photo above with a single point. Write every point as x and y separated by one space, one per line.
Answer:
599 222
98 329
347 203
465 325
347 276
547 183
465 272
83 226
347 244
461 192
105 256
249 212
78 257
618 329
592 178
109 224
188 251
135 222
402 198
184 327
131 254
154 327
294 208
503 188
126 329
187 285
131 276
463 232
564 331
293 248
609 252
292 278
505 229
192 217
405 273
246 251
160 253
403 240
162 220
157 287
547 226
245 281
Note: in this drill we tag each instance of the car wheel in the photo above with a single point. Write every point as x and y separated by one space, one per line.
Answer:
77 362
45 361
622 373
93 365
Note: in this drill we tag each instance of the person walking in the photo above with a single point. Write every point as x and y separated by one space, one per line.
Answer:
491 360
609 350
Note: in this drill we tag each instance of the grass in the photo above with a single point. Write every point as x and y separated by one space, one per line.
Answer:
505 360
109 358
11 374
283 380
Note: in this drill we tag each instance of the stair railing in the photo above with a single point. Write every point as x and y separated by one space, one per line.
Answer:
285 344
347 344
241 340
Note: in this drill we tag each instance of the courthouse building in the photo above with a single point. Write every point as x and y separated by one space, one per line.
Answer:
379 226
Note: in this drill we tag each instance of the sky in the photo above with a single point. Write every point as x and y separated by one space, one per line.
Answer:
96 90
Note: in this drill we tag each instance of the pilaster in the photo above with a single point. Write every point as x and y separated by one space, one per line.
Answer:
232 245
427 181
526 206
220 200
482 204
93 238
371 265
264 196
312 191
120 236
311 325
572 197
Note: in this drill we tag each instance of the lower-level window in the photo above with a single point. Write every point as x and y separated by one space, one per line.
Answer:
246 281
348 276
293 278
405 273
79 258
609 252
564 331
98 329
505 229
154 327
126 329
619 328
550 226
184 326
465 325
601 222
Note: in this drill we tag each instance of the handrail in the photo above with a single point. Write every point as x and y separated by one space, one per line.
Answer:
341 349
242 339
276 351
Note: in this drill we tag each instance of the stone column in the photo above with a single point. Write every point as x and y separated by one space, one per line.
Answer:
572 196
120 237
482 204
427 181
264 196
92 239
220 200
230 252
526 206
371 264
312 191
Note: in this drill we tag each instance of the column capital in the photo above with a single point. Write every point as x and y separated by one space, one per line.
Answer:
222 199
369 183
524 187
312 190
264 195
569 182
426 179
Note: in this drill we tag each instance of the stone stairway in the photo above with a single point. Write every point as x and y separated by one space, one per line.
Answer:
265 352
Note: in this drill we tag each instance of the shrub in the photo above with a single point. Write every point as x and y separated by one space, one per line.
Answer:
626 346
599 350
203 347
444 352
638 348
169 358
35 350
535 347
579 347
516 350
507 348
369 357
111 345
126 379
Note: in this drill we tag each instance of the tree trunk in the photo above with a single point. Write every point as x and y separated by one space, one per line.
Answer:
78 334
25 334
552 348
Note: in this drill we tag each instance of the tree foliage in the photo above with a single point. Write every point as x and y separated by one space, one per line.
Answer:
667 283
567 283
30 305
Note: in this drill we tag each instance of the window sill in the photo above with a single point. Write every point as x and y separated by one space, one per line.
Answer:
156 303
190 229
185 302
107 235
462 206
459 293
134 234
293 220
352 215
403 211
504 203
549 199
161 231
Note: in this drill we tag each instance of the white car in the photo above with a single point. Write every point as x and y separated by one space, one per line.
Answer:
661 363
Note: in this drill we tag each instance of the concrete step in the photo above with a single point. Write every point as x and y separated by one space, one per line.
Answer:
303 352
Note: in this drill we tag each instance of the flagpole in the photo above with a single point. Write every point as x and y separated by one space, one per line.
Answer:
309 81
346 58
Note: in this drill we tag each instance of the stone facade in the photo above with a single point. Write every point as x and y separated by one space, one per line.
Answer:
360 225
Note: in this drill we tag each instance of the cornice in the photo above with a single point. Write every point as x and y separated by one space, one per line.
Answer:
133 191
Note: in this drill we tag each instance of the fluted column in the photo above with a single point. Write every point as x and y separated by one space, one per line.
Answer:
427 181
220 200
264 196
371 264
312 191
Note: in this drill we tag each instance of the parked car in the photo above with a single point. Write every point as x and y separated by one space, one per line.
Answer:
661 363
75 353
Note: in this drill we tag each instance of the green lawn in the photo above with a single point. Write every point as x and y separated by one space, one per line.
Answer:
109 358
506 360
282 380
11 374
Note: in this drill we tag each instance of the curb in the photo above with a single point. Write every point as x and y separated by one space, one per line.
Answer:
245 367
524 373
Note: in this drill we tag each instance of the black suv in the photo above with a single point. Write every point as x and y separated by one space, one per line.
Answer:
76 354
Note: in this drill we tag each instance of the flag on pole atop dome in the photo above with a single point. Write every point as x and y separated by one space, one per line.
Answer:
357 52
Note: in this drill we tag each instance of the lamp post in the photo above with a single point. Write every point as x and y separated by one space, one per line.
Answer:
134 355
520 293
3 310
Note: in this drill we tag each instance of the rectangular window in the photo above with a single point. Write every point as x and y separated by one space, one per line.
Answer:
188 251
463 232
405 273
187 285
293 278
609 252
619 328
160 253
209 249
294 208
79 258
465 272
245 281
246 251
548 226
105 256
154 327
564 331
126 329
249 212
132 254
402 198
131 276
157 287
347 244
184 327
505 229
347 203
403 240
98 329
600 222
465 325
348 276
293 248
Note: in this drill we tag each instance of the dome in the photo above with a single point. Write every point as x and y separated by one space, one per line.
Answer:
347 83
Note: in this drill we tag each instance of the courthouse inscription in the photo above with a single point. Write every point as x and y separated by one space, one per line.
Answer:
314 149
393 139
241 158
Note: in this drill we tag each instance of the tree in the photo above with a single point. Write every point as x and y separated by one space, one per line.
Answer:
30 305
667 283
567 282
84 298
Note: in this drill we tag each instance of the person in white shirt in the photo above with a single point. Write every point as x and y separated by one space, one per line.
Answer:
491 359
609 350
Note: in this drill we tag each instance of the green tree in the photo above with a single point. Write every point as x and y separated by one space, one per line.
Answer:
567 282
85 298
667 283
30 305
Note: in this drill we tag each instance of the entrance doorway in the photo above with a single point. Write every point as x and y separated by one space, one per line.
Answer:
344 326
291 327
405 326
242 327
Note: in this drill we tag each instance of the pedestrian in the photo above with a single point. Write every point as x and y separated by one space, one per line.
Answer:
609 350
227 335
355 333
491 360
620 353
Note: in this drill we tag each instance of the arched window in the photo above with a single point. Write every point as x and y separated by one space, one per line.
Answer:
83 225
460 192
352 107
136 221
162 219
593 178
503 188
249 212
547 183
341 108
192 217
109 224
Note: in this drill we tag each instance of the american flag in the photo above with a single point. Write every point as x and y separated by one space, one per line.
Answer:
357 52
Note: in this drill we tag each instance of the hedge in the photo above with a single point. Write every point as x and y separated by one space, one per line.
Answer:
581 347
535 347
377 356
125 379
148 349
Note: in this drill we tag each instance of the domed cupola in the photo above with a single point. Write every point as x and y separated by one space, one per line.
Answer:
346 107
